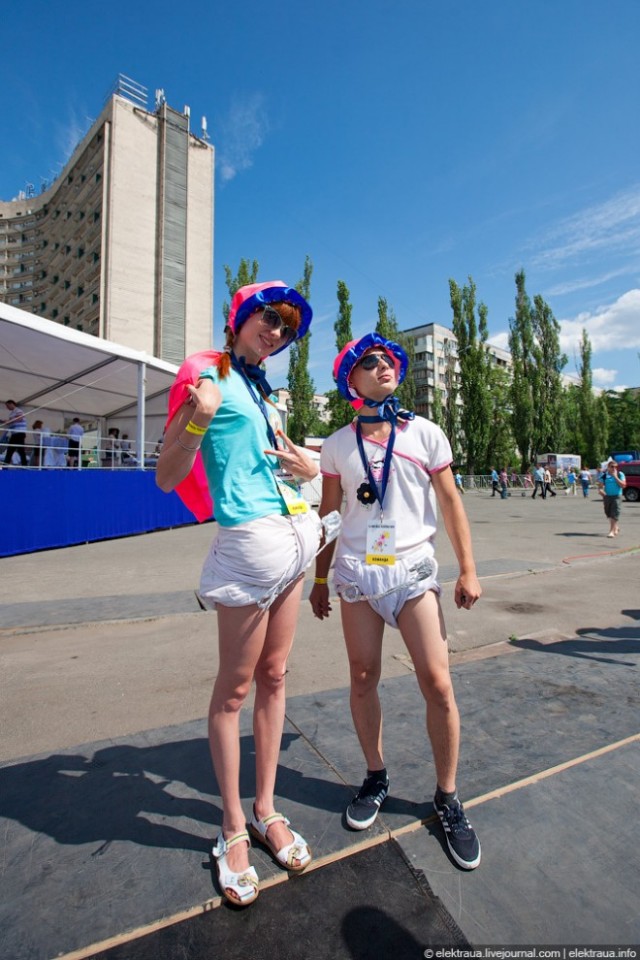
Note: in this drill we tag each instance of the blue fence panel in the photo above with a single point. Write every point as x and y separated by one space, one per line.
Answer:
41 509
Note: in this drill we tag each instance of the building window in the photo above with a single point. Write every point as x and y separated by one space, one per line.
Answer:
80 291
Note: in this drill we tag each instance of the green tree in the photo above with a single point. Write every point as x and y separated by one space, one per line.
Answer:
387 327
436 411
475 372
570 437
524 374
623 409
247 273
589 434
303 419
549 362
340 409
501 447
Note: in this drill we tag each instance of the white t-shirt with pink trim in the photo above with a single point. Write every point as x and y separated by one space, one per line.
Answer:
420 449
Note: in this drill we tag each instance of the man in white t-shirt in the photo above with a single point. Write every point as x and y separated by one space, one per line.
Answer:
391 468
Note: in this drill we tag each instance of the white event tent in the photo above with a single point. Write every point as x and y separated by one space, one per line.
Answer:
45 366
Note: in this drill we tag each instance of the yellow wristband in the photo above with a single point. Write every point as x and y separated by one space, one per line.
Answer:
192 427
322 580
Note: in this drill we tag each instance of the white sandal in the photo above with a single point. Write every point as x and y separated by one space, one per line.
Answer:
297 850
243 886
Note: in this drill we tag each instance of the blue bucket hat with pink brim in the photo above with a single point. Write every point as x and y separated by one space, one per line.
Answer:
254 296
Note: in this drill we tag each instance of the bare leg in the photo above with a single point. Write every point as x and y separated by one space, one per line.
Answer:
241 636
363 629
423 631
269 706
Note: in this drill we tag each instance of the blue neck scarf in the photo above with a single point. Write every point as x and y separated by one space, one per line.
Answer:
388 409
252 372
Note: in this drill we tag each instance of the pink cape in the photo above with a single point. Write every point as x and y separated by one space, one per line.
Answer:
194 489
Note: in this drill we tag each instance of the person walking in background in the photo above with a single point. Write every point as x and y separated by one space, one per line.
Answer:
548 485
495 481
571 483
610 486
16 428
458 481
220 444
538 483
585 481
504 483
392 467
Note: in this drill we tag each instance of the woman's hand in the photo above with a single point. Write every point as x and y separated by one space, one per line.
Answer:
295 459
204 400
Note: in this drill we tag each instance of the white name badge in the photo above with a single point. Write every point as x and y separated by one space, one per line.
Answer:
381 543
289 490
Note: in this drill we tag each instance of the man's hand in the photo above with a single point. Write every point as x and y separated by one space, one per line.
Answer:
467 591
319 600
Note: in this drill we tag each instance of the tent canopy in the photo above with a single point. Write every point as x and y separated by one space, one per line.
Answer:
44 365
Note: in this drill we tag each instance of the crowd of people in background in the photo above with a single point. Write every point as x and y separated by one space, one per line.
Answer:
40 447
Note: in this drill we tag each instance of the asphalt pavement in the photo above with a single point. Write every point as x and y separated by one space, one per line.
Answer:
108 802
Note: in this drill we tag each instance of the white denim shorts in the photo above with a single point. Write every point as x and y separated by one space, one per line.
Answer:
248 561
373 578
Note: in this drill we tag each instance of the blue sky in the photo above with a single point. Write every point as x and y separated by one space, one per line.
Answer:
397 144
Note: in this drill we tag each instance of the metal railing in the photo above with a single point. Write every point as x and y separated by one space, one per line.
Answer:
44 450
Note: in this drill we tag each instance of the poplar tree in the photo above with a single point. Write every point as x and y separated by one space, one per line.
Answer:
593 423
524 374
501 449
303 419
387 327
547 402
247 273
475 372
340 409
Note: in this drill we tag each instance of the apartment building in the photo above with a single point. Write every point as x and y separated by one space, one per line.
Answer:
120 245
435 365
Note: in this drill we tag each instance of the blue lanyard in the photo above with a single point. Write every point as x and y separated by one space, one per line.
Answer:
259 401
386 469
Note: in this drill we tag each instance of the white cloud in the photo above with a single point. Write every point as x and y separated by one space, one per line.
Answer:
613 327
609 227
240 135
601 376
570 286
69 135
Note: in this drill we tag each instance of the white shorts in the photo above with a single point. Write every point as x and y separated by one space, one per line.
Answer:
373 578
249 560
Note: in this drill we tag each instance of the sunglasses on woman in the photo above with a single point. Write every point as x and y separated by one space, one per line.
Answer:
275 324
371 361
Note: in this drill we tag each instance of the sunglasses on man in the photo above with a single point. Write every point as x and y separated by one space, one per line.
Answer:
372 360
272 320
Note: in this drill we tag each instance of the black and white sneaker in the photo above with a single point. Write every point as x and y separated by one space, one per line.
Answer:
461 838
363 809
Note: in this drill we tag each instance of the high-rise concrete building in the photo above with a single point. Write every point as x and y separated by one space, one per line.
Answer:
435 365
120 245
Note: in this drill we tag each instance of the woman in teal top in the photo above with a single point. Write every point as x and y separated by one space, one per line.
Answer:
253 576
